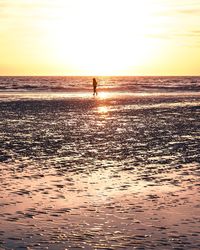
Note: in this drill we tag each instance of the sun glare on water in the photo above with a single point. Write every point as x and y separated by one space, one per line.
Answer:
102 109
105 95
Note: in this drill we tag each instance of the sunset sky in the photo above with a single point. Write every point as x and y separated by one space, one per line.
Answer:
99 37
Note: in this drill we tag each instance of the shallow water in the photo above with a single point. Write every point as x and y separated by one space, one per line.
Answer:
112 172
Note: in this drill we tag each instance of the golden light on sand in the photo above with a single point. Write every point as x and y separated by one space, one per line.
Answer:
104 37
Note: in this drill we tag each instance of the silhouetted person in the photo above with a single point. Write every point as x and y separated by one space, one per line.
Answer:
94 86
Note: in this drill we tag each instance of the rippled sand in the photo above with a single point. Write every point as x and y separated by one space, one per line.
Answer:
100 173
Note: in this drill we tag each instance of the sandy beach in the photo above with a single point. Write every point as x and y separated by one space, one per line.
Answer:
112 172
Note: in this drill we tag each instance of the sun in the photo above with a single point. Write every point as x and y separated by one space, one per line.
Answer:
106 39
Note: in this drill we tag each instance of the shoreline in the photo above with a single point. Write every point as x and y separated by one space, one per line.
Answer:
20 95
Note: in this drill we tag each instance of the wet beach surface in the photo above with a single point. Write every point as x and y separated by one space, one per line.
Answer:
100 173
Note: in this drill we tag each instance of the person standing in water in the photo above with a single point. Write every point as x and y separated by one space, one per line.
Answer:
94 86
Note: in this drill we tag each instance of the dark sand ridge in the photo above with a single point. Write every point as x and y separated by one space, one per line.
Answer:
116 173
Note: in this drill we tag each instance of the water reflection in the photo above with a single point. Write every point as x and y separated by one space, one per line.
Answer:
14 96
103 109
105 95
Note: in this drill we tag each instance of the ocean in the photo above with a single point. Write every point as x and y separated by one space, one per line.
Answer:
133 84
120 170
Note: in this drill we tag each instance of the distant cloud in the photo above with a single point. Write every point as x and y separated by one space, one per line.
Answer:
175 12
188 39
28 4
196 32
191 33
11 9
3 4
189 11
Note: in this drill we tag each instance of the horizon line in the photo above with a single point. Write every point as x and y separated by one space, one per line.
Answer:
100 76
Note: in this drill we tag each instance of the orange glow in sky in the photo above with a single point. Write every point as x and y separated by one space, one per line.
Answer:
99 37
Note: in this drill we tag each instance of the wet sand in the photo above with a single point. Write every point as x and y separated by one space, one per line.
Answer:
112 172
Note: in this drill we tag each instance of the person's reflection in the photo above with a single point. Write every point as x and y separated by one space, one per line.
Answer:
94 87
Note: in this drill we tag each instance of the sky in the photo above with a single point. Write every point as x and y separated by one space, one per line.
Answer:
100 37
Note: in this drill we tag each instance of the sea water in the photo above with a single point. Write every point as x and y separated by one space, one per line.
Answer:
136 84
